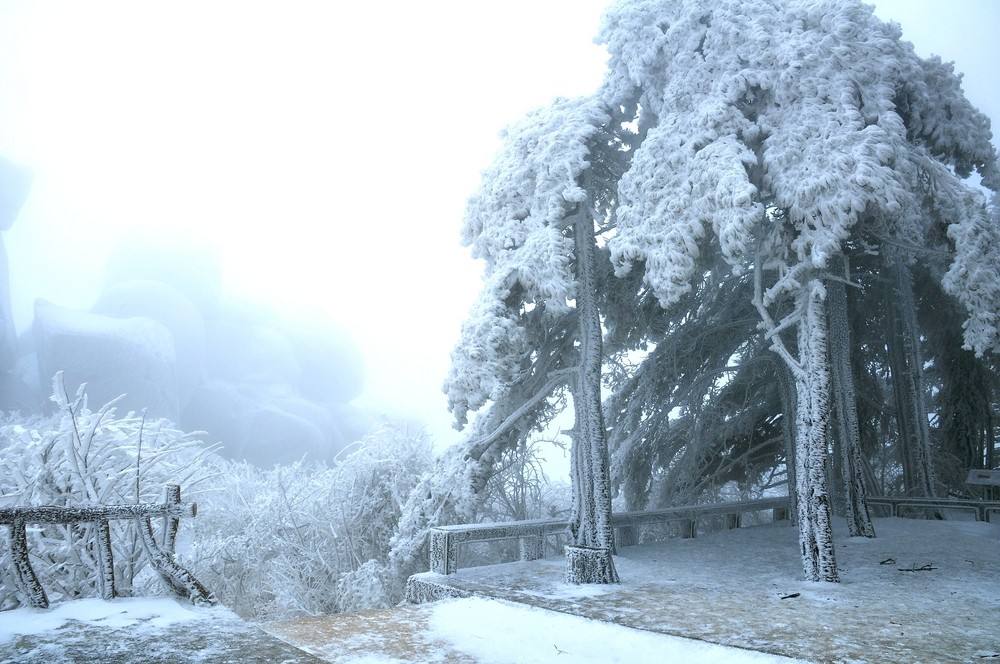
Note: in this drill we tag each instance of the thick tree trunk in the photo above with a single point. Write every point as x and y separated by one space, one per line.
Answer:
859 523
812 386
907 368
591 520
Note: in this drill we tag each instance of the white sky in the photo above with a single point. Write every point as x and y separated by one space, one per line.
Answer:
326 149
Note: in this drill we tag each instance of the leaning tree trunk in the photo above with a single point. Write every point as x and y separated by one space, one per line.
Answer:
812 387
589 559
907 368
859 522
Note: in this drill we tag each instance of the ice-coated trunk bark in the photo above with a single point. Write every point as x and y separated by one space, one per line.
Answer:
105 560
907 369
812 387
593 536
859 522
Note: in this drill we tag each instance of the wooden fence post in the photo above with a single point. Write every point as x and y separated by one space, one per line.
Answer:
171 496
531 547
178 578
105 561
24 575
626 536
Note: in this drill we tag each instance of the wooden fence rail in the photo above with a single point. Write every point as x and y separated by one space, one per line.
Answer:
160 553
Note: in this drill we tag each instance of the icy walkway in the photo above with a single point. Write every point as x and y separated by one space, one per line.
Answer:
488 631
742 588
140 630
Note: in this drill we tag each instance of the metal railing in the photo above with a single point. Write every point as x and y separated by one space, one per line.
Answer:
160 554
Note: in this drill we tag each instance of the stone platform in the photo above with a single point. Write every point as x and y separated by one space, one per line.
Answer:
923 591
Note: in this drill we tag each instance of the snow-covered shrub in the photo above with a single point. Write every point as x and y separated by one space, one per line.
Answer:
309 538
79 456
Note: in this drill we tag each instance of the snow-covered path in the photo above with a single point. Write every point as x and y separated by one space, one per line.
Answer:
137 630
730 591
743 588
488 631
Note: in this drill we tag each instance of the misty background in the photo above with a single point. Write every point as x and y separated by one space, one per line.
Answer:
281 189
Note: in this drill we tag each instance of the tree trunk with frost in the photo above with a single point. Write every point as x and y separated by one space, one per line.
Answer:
589 558
909 394
812 388
859 522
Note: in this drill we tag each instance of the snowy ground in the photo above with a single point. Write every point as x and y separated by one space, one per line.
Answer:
729 591
742 588
136 630
490 631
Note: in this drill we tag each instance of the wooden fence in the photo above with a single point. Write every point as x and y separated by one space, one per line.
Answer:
160 554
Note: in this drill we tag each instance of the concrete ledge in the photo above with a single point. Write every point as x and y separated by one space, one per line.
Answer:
429 587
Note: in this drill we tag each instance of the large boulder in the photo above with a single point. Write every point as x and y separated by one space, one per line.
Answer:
15 183
247 350
259 425
168 306
178 262
332 370
114 356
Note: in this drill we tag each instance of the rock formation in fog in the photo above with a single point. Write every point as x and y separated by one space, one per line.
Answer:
14 186
269 388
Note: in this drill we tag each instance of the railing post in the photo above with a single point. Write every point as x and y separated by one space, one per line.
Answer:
531 547
442 553
178 578
24 575
689 528
626 536
171 496
105 561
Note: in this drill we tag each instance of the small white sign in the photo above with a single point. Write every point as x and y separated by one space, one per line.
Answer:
983 477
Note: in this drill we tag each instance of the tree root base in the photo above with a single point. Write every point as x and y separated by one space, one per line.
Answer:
586 564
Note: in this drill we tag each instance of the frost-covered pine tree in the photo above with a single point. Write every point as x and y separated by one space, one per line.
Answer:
782 128
533 222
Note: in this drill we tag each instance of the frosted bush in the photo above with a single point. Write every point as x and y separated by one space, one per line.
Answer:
78 456
309 538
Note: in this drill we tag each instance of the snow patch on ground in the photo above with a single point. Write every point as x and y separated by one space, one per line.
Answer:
499 632
744 588
124 612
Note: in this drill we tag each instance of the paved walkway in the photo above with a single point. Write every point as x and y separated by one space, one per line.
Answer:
742 588
215 637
